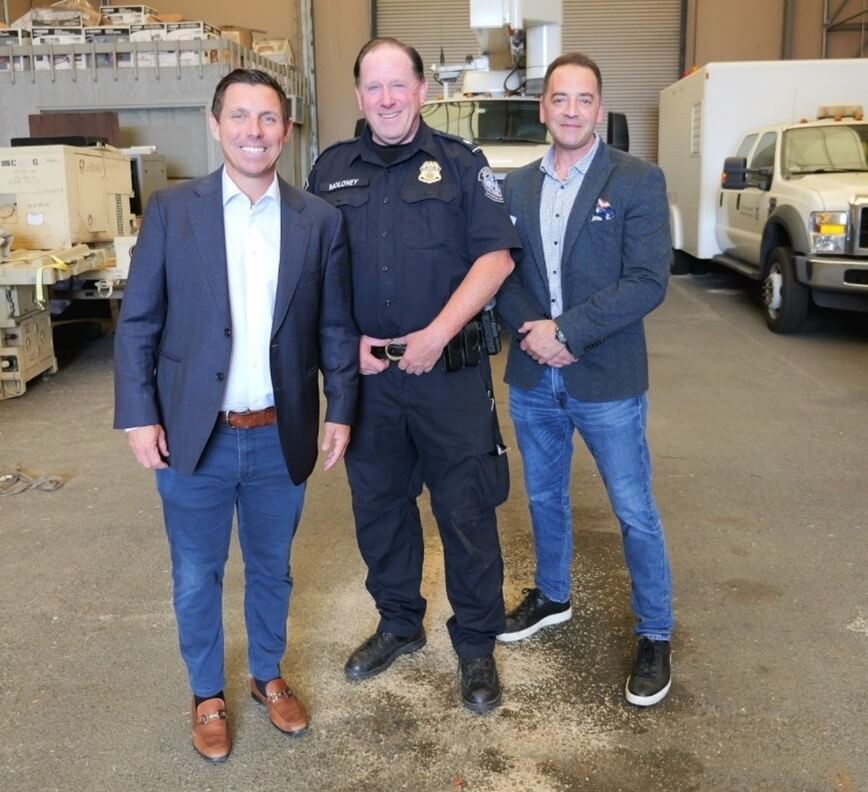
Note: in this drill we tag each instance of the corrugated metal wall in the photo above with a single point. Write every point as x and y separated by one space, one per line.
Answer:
636 43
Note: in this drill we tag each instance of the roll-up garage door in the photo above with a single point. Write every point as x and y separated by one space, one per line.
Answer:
636 43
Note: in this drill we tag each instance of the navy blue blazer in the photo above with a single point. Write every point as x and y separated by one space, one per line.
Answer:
615 268
175 330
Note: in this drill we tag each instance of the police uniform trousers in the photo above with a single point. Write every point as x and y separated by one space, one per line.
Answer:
439 429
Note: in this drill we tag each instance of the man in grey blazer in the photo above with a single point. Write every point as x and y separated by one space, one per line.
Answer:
594 228
238 296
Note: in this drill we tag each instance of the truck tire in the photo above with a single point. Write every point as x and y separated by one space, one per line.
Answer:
786 301
682 263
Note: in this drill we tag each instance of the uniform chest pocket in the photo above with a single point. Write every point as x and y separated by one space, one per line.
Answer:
353 203
432 215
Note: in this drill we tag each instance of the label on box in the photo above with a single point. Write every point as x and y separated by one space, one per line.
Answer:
54 17
58 35
14 37
127 14
181 31
107 35
152 31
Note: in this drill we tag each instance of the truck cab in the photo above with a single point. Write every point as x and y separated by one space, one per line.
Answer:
792 212
507 128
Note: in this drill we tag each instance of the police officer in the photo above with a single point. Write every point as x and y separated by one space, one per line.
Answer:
429 242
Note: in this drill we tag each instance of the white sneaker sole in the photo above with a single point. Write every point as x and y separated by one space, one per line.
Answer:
555 618
647 701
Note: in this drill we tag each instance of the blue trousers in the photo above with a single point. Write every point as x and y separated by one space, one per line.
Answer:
243 471
614 432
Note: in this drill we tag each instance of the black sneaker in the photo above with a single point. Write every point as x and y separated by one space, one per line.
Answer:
651 677
480 685
379 652
535 612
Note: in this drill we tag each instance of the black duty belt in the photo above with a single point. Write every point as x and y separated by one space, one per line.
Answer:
389 352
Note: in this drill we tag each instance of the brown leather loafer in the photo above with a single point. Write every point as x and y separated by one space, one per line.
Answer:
211 730
285 710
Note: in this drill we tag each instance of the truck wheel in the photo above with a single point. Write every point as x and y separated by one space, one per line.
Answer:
785 299
682 263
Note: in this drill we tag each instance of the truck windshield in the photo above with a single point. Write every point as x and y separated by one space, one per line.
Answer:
825 149
488 121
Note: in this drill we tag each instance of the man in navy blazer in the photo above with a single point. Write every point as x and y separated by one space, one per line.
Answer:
238 296
594 229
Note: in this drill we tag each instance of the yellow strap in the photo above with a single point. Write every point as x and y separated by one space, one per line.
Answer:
57 264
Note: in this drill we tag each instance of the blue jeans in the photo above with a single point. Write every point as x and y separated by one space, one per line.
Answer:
614 433
243 470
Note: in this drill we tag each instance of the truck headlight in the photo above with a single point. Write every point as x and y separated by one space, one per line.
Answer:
829 232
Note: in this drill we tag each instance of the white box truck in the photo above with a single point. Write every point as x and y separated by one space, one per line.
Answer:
766 168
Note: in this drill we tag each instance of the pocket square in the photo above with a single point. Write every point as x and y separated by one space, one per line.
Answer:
603 211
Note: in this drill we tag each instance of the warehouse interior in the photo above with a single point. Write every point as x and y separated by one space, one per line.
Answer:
757 446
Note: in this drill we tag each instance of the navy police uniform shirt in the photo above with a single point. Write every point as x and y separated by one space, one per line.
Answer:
416 225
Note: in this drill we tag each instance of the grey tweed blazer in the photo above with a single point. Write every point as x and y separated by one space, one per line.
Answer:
616 258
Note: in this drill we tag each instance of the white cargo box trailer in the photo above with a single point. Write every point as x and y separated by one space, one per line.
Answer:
794 210
704 116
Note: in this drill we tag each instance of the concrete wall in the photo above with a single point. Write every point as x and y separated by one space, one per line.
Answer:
341 27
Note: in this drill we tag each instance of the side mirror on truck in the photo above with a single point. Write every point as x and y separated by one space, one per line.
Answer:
734 176
617 131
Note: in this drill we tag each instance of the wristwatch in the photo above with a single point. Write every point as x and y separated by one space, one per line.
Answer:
560 337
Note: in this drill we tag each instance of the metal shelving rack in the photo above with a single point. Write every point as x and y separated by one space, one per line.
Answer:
164 104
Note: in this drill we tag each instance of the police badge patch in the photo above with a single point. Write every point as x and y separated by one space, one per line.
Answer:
429 172
490 185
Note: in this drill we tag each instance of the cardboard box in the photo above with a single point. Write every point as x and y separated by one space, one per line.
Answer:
57 35
128 14
57 196
14 38
151 31
242 36
107 35
169 58
277 50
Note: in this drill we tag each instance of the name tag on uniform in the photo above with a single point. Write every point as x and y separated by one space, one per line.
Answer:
342 184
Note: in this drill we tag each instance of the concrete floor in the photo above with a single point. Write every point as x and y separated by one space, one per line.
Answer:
759 444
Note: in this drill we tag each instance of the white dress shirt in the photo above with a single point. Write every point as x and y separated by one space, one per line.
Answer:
252 234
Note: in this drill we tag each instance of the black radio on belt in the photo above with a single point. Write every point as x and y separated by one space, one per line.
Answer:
478 335
463 349
490 328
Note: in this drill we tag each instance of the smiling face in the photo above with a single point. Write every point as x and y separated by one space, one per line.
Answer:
251 131
570 108
390 95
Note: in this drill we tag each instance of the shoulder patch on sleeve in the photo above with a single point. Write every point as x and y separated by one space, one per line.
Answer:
489 185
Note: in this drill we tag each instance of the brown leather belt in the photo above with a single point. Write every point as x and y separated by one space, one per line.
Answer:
249 419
